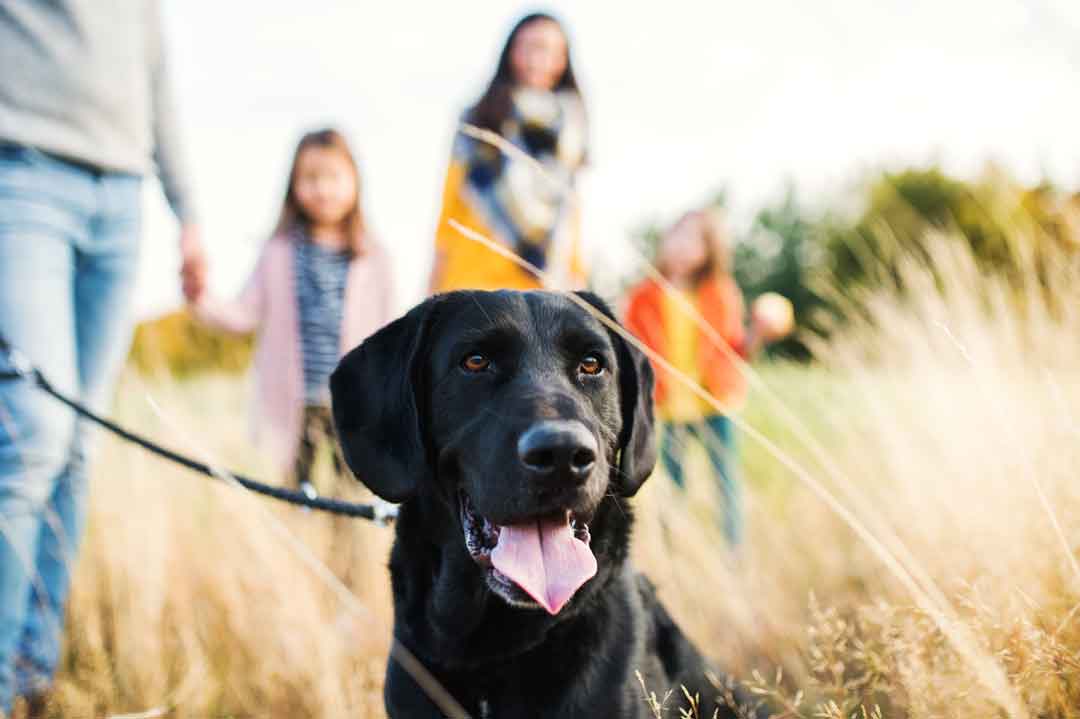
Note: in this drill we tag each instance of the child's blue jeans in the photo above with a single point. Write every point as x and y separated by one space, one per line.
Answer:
717 434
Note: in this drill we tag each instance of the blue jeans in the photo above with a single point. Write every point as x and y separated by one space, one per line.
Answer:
717 434
69 240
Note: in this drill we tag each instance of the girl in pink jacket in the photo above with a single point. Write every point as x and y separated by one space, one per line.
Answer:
321 285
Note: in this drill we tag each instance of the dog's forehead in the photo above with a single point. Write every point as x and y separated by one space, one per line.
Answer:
555 314
537 317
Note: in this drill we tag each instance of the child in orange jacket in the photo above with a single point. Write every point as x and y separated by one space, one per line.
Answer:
694 258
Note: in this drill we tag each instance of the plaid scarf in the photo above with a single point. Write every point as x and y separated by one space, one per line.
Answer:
522 205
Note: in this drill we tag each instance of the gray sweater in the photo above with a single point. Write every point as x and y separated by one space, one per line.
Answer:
87 80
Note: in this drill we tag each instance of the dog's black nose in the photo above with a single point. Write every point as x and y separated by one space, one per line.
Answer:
558 449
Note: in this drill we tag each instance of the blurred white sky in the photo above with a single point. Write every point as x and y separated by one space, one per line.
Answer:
685 96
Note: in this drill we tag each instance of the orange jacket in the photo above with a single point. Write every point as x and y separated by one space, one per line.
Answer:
720 303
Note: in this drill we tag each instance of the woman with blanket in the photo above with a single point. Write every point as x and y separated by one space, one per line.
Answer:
533 103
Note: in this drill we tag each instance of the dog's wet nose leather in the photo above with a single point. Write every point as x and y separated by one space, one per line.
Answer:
558 450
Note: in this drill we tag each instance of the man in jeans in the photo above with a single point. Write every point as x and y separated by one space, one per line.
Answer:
85 112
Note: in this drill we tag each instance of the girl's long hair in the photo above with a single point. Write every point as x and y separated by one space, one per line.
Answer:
293 216
495 105
717 241
718 250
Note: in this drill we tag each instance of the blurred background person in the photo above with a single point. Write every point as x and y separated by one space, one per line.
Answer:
534 102
321 285
86 110
694 257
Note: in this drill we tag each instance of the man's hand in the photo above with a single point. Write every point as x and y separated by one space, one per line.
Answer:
193 264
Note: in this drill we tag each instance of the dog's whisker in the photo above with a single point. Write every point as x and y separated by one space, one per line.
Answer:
618 504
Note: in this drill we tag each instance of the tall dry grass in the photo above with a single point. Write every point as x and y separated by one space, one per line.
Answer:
945 423
187 599
945 431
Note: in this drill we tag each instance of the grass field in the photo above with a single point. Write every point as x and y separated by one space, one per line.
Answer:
913 520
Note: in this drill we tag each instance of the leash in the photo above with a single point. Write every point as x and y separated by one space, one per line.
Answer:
19 367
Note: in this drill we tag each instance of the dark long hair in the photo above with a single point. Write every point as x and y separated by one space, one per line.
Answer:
292 215
494 106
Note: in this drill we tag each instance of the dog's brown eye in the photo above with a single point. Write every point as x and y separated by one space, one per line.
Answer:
591 365
475 362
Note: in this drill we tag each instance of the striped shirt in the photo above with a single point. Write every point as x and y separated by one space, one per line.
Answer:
320 298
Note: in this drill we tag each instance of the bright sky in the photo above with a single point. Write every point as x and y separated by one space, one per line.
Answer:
684 96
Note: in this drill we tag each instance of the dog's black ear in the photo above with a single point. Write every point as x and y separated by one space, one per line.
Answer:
374 396
637 440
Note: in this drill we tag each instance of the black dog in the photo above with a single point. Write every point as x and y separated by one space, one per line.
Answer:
512 426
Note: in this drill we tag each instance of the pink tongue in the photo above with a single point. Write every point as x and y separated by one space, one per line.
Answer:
545 559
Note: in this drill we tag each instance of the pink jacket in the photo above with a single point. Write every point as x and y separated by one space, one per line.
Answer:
267 305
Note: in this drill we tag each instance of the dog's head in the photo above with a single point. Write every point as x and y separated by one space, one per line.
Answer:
519 411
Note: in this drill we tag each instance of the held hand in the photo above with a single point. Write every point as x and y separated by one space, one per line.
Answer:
772 317
768 332
193 264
